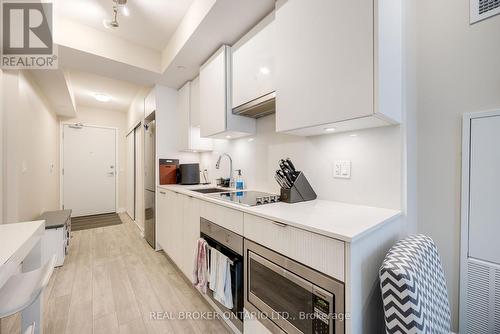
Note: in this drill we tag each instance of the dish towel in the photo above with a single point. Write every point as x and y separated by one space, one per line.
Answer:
222 292
214 261
200 271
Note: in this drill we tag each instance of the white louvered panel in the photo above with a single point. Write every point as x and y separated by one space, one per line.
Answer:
316 251
496 304
478 298
482 9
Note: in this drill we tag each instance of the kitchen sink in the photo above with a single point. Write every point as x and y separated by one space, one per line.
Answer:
211 190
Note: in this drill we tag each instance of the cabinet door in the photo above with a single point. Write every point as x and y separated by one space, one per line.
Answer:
213 94
197 142
177 226
253 67
150 103
169 222
324 62
195 103
484 226
191 233
183 117
162 219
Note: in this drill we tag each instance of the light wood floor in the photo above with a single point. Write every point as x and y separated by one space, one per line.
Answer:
110 282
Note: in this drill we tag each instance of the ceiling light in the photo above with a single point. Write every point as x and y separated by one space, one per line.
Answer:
251 139
119 7
228 137
330 129
353 135
265 70
102 97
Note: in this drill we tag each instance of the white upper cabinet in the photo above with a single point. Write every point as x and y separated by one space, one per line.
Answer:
216 117
183 111
338 65
253 63
150 104
189 133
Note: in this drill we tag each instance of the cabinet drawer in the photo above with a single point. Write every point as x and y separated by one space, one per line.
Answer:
225 217
316 251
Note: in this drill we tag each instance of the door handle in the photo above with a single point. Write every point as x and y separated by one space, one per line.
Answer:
111 173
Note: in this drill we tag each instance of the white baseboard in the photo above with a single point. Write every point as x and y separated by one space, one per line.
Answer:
121 210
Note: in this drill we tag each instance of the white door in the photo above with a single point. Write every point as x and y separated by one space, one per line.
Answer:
89 170
484 215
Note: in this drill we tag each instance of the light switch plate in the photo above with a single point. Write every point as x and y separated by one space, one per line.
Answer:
342 169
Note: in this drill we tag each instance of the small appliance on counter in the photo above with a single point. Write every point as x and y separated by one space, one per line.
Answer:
294 185
169 171
190 173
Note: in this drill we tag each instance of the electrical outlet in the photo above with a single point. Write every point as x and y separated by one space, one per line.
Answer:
342 169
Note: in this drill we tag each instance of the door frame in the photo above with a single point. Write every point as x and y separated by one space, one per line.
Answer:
61 159
465 207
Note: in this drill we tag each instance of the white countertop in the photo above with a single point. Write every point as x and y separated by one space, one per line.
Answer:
13 237
347 222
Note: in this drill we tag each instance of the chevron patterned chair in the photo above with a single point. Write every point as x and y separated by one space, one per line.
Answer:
414 288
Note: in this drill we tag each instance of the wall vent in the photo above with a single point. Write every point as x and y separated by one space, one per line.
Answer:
496 306
482 9
478 298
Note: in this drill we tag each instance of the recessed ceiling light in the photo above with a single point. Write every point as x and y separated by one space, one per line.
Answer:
228 137
251 139
265 70
353 135
101 97
330 129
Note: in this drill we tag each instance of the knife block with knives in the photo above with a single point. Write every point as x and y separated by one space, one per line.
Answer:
294 185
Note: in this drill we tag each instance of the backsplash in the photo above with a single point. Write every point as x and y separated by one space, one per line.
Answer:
375 155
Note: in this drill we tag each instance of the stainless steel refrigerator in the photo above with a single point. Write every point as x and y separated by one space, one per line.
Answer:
149 183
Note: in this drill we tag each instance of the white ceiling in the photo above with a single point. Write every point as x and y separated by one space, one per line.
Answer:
85 84
151 22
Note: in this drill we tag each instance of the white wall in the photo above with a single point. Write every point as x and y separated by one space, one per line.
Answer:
30 150
115 119
375 155
458 70
1 145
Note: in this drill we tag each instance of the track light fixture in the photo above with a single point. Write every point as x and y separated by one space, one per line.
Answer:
119 7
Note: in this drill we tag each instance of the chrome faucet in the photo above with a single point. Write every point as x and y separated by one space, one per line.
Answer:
217 166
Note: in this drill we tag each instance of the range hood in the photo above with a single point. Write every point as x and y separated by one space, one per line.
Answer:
260 107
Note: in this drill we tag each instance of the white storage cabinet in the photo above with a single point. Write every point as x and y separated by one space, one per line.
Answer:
216 116
338 65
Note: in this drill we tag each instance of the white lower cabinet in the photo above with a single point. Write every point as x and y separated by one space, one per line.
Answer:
161 219
178 228
190 233
302 246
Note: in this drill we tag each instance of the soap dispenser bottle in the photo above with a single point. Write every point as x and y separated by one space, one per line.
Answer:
240 183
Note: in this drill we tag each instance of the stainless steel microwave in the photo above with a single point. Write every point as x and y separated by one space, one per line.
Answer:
288 297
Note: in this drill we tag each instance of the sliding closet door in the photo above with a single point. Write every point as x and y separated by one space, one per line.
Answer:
131 174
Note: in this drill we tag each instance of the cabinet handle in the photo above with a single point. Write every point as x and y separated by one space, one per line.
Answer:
163 193
279 224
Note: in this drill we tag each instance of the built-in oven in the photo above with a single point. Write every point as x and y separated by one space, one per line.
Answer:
231 245
288 297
